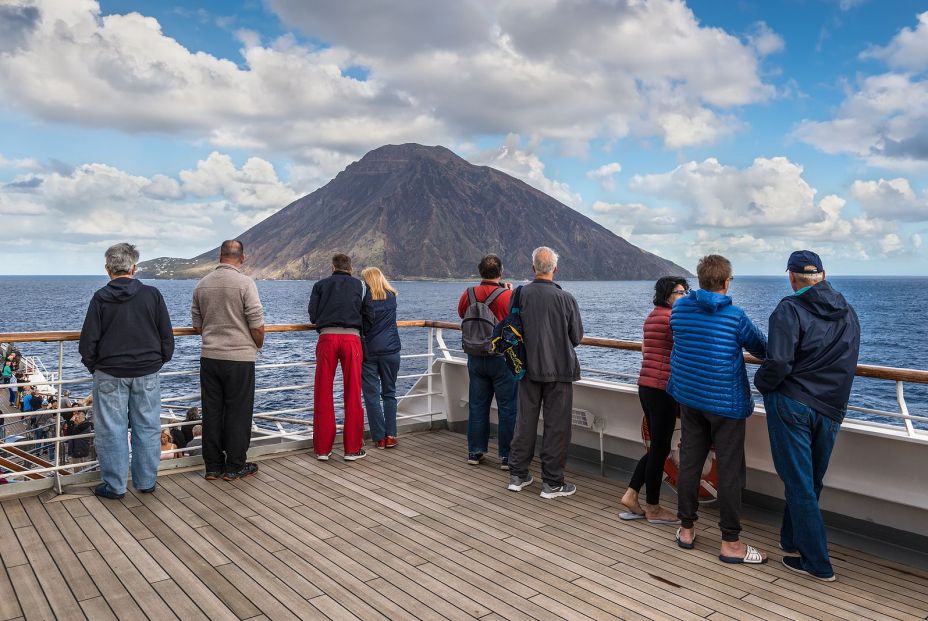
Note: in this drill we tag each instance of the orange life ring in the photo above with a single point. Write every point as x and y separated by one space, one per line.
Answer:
708 482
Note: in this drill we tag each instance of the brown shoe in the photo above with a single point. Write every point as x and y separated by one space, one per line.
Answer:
390 441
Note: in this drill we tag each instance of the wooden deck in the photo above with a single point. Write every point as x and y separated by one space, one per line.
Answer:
411 533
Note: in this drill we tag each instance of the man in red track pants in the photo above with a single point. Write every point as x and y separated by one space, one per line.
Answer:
338 309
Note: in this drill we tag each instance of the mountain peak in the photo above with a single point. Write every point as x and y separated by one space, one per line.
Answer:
420 211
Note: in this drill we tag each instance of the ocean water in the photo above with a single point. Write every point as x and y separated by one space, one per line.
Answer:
894 332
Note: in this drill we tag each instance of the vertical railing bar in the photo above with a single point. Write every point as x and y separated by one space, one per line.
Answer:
431 360
904 409
58 419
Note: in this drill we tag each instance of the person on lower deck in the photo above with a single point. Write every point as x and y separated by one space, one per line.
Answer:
551 320
709 381
125 340
227 313
381 362
660 409
339 310
487 372
812 351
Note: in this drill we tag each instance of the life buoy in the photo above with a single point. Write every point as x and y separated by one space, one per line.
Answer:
708 482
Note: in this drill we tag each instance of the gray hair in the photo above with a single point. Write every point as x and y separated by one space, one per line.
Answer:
544 260
808 279
197 430
121 257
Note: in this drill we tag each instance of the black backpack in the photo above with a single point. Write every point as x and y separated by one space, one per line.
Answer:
508 337
478 323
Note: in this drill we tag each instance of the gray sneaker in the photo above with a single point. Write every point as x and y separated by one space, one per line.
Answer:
516 483
565 489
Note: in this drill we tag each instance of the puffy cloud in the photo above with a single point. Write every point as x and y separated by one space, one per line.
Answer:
253 186
763 39
17 21
885 120
907 51
892 199
636 219
566 71
891 243
605 174
523 163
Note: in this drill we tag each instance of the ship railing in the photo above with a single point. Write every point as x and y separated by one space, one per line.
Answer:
900 376
281 430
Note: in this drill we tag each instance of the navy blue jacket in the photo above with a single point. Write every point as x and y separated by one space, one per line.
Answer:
813 349
381 338
338 302
707 369
127 331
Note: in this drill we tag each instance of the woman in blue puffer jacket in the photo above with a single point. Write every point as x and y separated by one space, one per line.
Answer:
381 359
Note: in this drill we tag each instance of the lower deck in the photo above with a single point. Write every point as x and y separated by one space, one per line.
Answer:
408 533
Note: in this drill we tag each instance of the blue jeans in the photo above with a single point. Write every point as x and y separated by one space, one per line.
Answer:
118 401
801 441
489 375
378 382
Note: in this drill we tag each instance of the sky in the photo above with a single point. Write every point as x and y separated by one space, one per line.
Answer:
748 128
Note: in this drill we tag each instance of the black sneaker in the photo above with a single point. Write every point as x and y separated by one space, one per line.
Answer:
504 463
149 490
355 456
103 490
474 459
247 470
794 563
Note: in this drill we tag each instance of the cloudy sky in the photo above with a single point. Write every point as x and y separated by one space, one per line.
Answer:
749 128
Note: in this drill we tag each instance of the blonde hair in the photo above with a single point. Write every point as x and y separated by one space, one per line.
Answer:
377 283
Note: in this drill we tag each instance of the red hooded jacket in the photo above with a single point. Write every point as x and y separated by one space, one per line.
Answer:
656 348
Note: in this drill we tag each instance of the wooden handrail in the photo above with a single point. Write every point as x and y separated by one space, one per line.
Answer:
863 370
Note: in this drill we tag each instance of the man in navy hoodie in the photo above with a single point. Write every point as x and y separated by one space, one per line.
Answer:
125 340
814 342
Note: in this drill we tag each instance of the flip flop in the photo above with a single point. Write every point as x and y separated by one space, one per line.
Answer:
668 522
685 546
630 515
751 557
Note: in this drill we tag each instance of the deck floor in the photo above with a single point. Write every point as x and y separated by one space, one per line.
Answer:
410 533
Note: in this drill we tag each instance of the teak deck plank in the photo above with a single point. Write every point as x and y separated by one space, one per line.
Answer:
408 533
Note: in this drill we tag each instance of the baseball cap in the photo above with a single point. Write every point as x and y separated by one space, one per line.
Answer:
804 262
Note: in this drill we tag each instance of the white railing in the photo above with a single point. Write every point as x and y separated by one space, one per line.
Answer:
283 427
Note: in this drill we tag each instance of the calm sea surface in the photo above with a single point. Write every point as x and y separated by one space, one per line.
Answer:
894 331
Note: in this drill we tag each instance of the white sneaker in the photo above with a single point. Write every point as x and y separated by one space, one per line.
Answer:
566 489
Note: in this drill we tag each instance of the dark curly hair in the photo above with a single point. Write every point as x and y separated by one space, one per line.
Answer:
665 286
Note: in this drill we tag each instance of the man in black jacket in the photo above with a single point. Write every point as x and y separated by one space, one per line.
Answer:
338 308
812 347
125 340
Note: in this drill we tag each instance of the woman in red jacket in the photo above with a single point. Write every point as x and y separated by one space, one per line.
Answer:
659 407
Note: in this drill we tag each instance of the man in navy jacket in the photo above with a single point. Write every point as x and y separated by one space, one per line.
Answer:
806 382
338 308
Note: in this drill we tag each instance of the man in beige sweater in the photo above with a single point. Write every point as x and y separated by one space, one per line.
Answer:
228 314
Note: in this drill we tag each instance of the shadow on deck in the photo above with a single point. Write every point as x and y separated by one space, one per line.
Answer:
411 533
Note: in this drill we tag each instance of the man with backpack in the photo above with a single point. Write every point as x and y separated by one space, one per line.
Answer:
481 308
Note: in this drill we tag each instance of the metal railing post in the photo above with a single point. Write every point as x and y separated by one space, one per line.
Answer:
428 370
58 418
904 409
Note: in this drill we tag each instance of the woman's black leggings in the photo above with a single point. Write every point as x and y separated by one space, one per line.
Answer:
661 412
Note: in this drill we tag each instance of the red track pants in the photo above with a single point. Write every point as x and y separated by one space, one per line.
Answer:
332 349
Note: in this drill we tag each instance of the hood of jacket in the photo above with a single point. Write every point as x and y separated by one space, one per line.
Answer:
710 301
120 290
822 301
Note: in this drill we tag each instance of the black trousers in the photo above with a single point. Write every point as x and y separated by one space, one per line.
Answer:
557 398
660 410
227 392
700 431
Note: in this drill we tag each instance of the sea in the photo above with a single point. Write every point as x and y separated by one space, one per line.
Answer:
891 310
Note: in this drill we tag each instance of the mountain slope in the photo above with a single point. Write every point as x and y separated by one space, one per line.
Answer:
424 212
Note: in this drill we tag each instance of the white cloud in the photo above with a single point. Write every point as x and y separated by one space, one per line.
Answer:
522 163
605 174
892 199
908 50
763 39
253 186
885 120
564 71
891 243
636 219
